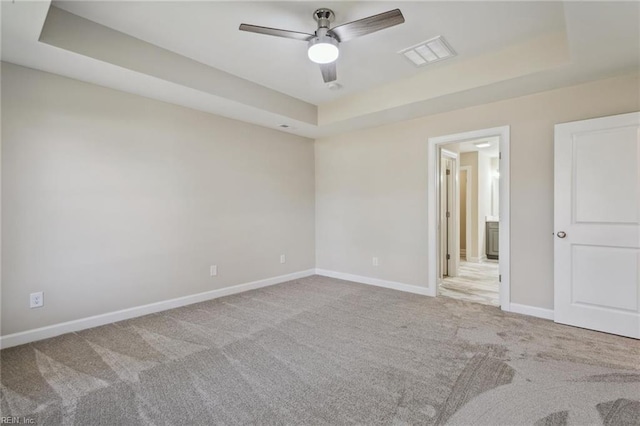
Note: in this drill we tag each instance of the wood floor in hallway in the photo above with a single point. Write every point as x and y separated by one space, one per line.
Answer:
476 282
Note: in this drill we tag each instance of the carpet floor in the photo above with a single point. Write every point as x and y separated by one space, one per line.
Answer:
325 351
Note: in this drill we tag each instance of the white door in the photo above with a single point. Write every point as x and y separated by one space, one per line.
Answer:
597 217
449 216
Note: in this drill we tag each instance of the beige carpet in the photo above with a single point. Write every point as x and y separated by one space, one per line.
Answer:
325 351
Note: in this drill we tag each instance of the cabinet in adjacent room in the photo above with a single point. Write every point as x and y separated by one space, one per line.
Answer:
493 239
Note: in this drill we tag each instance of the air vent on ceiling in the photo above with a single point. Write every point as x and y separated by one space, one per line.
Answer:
428 52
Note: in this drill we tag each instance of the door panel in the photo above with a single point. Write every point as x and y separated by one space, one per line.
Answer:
597 210
604 189
618 267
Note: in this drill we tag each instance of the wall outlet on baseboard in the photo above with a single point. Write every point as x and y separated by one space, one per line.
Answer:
36 300
213 270
374 261
283 258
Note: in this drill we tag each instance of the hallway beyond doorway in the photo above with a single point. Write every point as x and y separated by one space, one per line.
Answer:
476 282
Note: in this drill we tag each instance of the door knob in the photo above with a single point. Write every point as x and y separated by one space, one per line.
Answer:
561 234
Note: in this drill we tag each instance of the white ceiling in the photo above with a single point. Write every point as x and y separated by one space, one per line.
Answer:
208 32
505 49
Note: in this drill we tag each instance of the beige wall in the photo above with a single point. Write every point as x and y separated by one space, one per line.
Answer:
371 186
111 200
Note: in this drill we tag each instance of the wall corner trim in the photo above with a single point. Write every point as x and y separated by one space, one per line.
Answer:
33 335
407 288
533 311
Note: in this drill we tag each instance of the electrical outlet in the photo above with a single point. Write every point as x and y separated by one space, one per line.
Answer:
213 270
283 258
375 261
36 300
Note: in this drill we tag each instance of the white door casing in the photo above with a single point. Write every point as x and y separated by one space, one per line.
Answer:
434 145
597 224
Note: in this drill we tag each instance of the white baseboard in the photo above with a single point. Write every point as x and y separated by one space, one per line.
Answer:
463 253
137 311
531 310
477 259
81 324
409 288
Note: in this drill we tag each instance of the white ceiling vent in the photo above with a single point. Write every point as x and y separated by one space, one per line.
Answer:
428 52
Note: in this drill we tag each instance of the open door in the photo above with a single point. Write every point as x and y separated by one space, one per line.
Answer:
449 215
597 224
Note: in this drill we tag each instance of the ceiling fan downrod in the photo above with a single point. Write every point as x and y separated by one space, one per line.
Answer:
323 17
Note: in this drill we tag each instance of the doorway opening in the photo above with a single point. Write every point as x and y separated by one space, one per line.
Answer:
469 216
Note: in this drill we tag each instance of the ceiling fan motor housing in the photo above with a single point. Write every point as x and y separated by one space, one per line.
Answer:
324 17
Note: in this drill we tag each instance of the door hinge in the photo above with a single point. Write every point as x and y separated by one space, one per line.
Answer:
499 156
448 257
448 172
500 278
448 214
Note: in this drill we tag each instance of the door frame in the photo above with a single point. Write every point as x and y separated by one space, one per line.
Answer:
454 195
467 216
433 174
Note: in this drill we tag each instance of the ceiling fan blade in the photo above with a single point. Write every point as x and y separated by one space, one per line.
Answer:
275 32
368 25
329 72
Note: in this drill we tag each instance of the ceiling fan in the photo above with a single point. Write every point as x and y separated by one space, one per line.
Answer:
323 44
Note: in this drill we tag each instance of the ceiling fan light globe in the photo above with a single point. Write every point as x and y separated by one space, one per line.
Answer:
323 50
